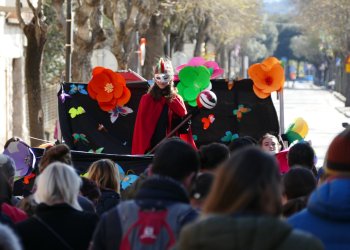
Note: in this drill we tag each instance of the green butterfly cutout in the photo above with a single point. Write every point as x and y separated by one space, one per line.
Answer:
80 137
97 151
228 137
76 111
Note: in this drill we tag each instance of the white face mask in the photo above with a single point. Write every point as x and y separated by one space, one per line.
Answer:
162 80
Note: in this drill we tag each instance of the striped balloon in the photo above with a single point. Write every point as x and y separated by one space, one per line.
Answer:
206 99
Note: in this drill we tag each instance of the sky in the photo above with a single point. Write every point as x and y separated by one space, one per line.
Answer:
277 6
271 1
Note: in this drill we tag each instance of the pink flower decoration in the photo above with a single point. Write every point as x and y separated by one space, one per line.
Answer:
199 61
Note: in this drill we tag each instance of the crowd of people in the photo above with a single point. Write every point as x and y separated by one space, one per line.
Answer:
217 197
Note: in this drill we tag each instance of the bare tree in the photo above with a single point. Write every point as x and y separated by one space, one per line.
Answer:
155 45
128 18
36 33
89 35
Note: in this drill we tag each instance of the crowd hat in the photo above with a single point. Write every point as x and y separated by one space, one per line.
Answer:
338 155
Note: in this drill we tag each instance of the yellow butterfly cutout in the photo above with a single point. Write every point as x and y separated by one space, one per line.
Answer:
76 111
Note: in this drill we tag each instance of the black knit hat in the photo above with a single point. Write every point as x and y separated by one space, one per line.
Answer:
201 186
176 159
338 155
298 182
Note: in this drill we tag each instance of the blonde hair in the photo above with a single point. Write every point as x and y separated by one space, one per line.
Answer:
57 184
105 173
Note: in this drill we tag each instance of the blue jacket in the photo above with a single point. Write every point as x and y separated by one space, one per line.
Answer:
327 215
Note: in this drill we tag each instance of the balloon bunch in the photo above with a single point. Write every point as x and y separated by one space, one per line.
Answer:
297 131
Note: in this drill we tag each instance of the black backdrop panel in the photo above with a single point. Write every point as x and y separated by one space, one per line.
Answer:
83 160
116 138
261 118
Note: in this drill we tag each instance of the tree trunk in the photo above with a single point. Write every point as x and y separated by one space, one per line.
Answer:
177 42
18 102
154 45
88 35
124 42
201 35
36 37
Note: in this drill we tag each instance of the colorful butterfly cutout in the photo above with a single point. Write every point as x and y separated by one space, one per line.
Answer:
228 137
207 121
80 137
100 127
63 96
27 178
77 88
119 111
97 151
240 111
230 84
76 111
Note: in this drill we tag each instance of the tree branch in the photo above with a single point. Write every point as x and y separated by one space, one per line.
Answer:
39 6
32 7
22 24
60 18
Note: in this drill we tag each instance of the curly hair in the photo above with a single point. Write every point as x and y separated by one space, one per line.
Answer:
60 153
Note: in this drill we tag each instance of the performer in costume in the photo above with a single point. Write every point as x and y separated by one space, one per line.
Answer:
160 111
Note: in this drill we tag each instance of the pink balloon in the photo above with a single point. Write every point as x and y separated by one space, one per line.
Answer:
199 61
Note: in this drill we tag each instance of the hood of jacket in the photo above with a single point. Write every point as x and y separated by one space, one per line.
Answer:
243 232
162 188
331 200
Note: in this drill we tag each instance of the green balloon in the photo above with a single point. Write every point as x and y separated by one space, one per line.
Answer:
190 94
192 81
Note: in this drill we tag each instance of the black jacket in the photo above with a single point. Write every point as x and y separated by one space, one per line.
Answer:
73 226
108 200
153 191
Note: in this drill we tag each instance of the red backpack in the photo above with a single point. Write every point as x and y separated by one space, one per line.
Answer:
155 228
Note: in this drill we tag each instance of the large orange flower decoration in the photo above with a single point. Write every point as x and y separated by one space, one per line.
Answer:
267 76
108 88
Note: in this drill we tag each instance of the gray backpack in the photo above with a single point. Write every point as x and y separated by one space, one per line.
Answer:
150 228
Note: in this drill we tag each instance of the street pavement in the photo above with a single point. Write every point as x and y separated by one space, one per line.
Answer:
320 108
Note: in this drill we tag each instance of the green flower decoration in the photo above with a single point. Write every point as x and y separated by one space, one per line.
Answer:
193 80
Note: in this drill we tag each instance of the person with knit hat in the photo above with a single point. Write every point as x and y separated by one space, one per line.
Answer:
327 215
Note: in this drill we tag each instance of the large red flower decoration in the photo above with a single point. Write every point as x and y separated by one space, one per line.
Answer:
108 88
267 76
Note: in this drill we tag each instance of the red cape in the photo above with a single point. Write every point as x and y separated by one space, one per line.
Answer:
147 117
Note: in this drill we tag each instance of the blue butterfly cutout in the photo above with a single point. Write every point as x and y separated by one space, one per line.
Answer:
77 88
126 179
228 137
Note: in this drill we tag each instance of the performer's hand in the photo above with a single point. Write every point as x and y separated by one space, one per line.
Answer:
184 128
